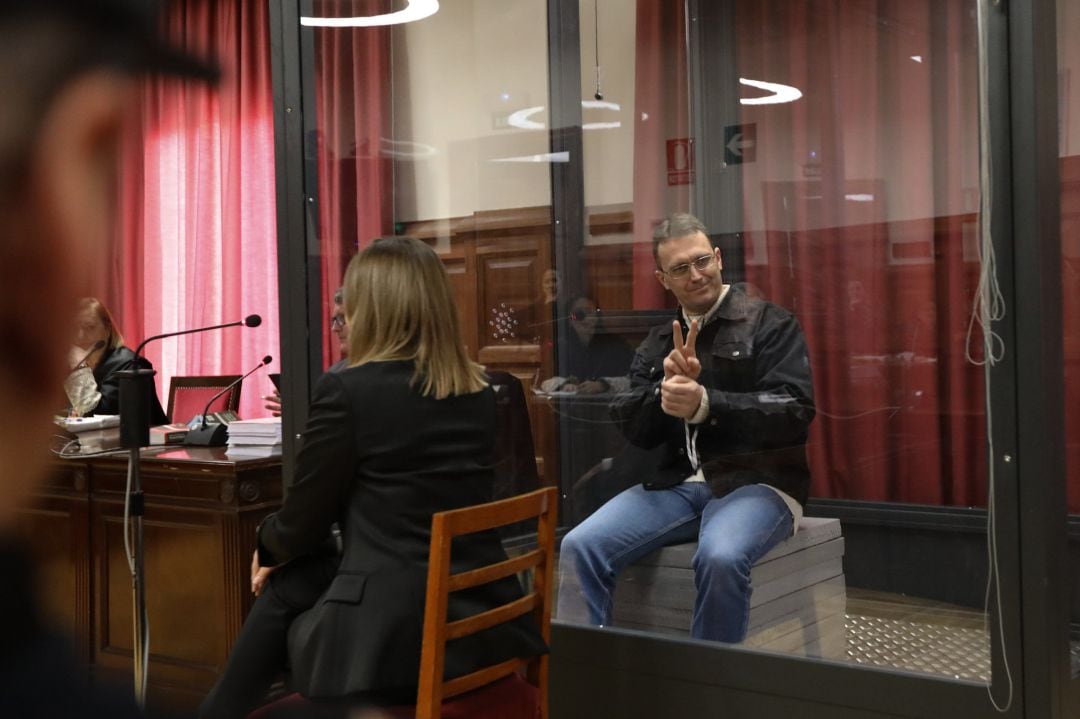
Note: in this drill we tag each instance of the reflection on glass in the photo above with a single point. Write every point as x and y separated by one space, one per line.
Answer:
847 199
1068 20
414 134
836 163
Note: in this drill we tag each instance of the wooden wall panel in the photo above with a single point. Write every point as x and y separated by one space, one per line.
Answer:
462 285
508 292
609 270
184 569
57 531
496 261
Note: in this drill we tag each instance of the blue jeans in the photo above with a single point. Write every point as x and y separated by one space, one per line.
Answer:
733 532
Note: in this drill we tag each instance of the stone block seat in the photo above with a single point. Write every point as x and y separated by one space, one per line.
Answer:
798 593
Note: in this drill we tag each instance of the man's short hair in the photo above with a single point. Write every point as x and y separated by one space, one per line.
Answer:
678 224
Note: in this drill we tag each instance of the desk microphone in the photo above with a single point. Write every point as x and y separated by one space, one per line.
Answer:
137 385
214 436
82 363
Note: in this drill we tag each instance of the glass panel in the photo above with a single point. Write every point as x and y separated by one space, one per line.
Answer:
1068 20
833 158
437 129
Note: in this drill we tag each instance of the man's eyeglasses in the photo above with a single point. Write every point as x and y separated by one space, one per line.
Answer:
337 322
698 264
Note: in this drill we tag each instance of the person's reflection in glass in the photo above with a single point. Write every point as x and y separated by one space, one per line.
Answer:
543 311
596 360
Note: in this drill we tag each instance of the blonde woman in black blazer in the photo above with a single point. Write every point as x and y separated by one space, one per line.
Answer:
405 431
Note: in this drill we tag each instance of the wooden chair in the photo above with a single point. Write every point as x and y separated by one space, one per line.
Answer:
188 395
495 691
515 456
476 693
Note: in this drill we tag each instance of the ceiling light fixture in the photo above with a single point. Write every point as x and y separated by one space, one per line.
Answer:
545 157
780 93
522 119
414 10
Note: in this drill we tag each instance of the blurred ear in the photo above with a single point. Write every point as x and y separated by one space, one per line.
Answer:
661 279
75 167
64 210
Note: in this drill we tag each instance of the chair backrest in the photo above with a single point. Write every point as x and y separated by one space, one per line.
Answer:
515 454
540 505
189 395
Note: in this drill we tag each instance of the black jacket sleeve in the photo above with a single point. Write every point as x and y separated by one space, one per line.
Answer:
108 381
325 470
637 412
109 387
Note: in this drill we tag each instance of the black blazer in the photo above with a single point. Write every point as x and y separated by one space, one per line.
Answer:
108 382
381 459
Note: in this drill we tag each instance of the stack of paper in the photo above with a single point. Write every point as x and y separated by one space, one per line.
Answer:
95 434
86 424
254 437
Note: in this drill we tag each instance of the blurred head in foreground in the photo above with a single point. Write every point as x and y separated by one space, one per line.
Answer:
69 73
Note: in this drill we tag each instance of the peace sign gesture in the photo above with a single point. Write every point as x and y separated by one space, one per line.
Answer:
683 359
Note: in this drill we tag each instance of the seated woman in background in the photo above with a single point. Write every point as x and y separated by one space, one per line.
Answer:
405 431
93 386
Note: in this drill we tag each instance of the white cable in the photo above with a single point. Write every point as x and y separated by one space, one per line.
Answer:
691 445
129 554
988 307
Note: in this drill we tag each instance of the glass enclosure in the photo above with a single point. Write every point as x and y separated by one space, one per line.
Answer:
831 150
1069 167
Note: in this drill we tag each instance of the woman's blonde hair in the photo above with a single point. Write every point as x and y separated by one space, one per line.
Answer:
398 306
102 313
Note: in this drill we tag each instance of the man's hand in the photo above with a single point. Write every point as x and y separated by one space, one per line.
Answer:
683 359
272 402
680 396
259 575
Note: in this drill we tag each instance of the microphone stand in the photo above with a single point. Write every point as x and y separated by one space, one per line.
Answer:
216 435
136 385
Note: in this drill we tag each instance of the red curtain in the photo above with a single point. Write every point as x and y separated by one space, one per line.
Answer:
196 240
860 210
352 142
661 113
1070 282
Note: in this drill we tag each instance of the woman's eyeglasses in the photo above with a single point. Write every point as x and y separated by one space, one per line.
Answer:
698 264
337 322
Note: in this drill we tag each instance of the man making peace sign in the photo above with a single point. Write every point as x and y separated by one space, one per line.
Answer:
724 415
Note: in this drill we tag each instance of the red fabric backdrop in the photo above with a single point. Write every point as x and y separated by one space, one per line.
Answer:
860 217
661 112
196 241
352 142
1070 269
860 188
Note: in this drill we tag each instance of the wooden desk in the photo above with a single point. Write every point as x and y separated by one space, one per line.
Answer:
201 513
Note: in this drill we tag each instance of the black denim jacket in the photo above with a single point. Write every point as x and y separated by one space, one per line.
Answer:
756 369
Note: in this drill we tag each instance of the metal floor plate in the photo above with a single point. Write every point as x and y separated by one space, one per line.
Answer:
957 652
